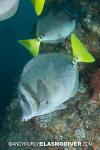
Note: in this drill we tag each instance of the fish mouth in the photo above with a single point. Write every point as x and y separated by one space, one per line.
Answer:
28 104
26 111
29 109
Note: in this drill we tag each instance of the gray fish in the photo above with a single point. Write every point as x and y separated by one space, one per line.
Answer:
49 80
55 27
52 28
8 8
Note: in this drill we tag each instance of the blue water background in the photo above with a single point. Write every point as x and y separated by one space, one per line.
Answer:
13 56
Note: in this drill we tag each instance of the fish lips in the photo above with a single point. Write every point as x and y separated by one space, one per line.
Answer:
28 104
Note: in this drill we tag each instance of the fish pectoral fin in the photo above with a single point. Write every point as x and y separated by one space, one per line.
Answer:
79 50
42 91
32 45
38 5
62 106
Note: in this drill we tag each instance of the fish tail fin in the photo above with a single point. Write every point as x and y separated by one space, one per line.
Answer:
32 45
38 5
79 50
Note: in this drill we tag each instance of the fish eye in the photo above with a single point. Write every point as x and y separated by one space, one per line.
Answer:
22 97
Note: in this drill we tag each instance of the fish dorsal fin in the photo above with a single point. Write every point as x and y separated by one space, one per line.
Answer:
31 63
42 91
61 106
42 57
79 50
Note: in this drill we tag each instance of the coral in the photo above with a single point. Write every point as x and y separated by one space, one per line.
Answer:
80 133
95 85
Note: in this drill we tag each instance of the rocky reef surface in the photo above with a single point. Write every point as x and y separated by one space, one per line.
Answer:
80 122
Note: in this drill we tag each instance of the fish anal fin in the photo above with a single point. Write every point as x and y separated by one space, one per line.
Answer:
62 106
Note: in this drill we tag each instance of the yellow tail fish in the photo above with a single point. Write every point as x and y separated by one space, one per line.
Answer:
50 79
52 28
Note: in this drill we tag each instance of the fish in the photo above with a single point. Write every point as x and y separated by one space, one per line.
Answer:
51 28
48 80
38 5
8 8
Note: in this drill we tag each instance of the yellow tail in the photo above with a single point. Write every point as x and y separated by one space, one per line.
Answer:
79 50
32 45
38 5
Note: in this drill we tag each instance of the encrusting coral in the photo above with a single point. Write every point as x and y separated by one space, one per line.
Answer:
95 85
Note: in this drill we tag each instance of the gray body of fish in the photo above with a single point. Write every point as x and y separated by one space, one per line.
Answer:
55 27
47 81
8 8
